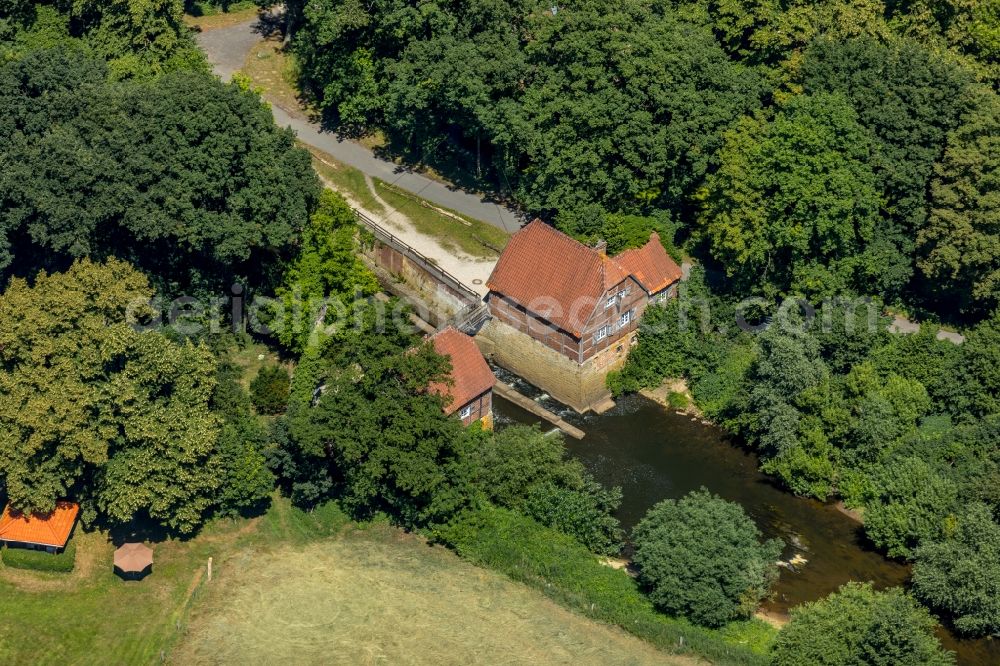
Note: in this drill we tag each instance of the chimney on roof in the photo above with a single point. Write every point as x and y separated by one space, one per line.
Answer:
601 246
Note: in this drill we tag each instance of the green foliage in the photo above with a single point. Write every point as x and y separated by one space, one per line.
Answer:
960 245
186 177
242 446
138 435
702 557
616 104
567 572
269 390
38 560
677 400
909 99
327 267
960 575
523 469
911 503
794 203
137 38
362 405
982 366
857 625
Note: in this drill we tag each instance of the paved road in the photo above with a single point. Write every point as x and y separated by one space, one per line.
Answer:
227 49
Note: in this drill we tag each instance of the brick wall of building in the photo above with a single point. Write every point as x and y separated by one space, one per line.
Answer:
588 345
576 385
481 409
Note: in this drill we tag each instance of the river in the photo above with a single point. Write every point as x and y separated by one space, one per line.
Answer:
655 454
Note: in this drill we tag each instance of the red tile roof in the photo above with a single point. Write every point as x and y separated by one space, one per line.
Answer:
471 375
650 265
554 276
563 281
52 529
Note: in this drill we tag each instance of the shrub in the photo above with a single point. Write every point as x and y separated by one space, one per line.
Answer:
269 390
38 560
586 514
524 469
565 571
677 400
857 625
701 556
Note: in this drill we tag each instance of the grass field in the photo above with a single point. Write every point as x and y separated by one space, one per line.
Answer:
91 616
300 587
377 595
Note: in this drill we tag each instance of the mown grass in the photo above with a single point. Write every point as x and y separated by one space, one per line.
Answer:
378 595
311 586
454 231
91 616
39 560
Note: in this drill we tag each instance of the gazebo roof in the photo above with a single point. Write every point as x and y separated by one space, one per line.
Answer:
133 557
50 529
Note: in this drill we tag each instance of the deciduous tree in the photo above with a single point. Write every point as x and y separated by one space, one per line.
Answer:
702 557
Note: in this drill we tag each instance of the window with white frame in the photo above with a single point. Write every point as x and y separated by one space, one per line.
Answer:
601 333
624 292
466 412
611 302
626 318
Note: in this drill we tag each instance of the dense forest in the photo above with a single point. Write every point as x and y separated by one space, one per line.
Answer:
808 148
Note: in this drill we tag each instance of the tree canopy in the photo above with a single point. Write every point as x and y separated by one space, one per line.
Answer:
187 178
92 407
857 625
702 557
959 573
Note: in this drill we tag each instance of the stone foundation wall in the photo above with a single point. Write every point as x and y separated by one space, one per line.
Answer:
578 386
402 276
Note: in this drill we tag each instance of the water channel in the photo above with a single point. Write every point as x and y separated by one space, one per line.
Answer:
655 454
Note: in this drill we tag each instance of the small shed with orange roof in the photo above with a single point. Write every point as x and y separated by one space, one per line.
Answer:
49 531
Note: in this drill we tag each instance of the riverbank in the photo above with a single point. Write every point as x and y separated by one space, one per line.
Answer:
666 395
654 453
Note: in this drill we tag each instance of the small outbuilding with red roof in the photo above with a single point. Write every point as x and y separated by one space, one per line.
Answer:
49 531
469 391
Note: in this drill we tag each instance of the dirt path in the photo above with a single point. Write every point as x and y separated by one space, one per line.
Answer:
471 271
